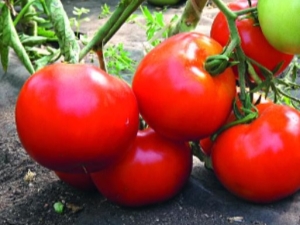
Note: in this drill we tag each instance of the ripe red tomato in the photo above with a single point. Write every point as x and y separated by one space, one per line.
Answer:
154 170
206 143
279 23
177 97
259 161
76 118
253 42
81 181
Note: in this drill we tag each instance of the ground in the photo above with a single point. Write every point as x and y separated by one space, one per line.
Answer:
29 200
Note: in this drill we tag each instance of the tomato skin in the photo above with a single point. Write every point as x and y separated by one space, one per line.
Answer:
75 118
253 42
80 181
259 162
154 170
279 24
174 92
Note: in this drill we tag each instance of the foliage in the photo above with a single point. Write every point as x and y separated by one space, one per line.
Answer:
105 11
76 21
118 60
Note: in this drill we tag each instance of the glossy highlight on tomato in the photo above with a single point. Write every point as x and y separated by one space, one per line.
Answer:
75 117
154 170
259 161
253 41
177 97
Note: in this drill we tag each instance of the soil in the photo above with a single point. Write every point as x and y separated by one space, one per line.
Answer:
26 199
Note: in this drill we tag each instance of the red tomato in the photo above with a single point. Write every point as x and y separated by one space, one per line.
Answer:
154 170
81 181
253 42
259 161
206 143
176 96
76 118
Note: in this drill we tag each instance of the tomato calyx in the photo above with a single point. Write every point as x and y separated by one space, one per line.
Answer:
217 64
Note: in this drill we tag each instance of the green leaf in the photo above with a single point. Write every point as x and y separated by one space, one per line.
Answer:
9 37
45 60
32 40
4 45
46 33
68 43
4 55
23 11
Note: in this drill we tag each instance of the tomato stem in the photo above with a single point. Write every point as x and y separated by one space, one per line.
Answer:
248 118
225 9
235 42
105 32
198 153
190 17
245 11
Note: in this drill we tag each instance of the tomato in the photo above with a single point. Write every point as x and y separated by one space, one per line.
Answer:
253 42
154 170
177 97
259 161
206 143
80 181
76 118
279 24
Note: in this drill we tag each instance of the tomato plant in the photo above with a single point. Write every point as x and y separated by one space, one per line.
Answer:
154 170
81 181
278 21
253 42
259 161
163 2
75 117
175 94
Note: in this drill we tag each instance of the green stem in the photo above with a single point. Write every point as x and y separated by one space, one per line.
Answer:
287 95
126 14
251 116
45 8
236 40
197 152
245 11
224 8
23 12
119 16
190 17
10 38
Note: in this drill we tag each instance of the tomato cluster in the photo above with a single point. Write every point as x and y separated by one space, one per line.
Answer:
83 123
253 41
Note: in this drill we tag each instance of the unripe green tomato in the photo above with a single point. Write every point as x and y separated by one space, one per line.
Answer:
279 21
163 2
